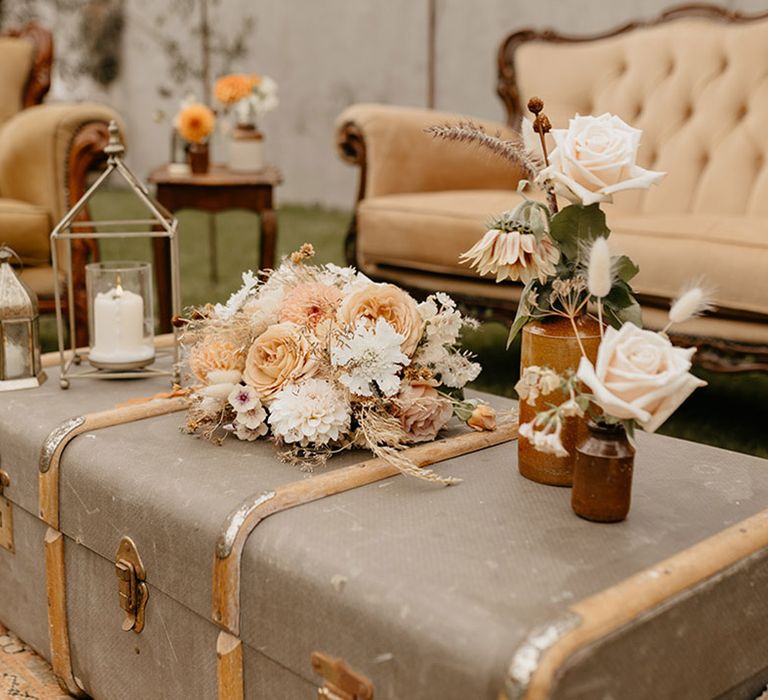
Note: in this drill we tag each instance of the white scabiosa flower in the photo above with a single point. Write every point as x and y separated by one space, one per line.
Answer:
370 356
243 398
599 276
311 412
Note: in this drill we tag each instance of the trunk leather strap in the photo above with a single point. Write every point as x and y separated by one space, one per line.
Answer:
241 522
59 438
541 659
50 457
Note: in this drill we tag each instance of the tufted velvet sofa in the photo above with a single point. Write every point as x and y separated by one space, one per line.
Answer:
695 80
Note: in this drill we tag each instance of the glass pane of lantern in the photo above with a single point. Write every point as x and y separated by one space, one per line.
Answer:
17 349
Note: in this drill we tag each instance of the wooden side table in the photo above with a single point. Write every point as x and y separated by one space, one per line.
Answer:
215 191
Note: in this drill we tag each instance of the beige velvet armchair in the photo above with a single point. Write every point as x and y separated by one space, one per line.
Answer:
693 79
46 152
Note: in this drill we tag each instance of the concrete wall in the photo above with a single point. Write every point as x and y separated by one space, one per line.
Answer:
325 55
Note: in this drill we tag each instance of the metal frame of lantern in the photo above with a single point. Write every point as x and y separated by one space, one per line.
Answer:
25 313
69 229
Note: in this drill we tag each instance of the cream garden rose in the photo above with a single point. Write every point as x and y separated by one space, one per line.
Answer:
280 355
595 157
396 307
639 375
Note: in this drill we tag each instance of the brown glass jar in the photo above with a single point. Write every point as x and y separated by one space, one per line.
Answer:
602 475
551 342
199 158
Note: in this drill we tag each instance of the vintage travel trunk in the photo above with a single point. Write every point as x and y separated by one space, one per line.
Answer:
248 578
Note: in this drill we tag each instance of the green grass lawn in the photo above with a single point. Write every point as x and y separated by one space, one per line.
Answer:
730 412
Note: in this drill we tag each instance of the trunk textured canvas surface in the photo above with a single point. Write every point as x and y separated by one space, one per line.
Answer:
410 590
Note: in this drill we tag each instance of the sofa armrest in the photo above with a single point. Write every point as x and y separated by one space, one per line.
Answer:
46 152
396 155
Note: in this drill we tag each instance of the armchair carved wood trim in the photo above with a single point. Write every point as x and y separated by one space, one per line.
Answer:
77 134
39 81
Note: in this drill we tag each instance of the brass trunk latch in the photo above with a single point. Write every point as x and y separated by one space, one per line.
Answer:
131 585
341 682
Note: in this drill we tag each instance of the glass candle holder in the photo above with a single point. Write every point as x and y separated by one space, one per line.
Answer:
121 316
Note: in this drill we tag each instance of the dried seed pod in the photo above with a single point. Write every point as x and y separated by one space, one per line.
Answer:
535 105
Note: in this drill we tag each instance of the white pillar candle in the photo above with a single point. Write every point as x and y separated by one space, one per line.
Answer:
118 328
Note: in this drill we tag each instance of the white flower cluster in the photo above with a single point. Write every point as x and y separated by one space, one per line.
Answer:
370 356
249 423
438 348
314 411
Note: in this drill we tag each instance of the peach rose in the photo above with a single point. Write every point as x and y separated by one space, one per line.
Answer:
595 157
392 304
482 418
423 412
639 375
281 354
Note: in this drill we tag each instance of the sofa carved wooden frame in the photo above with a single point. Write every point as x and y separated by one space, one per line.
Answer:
85 154
714 354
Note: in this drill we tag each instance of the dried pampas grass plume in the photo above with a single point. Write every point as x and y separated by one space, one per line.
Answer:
694 300
513 150
599 274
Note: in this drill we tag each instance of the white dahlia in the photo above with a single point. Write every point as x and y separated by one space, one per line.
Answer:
370 356
313 411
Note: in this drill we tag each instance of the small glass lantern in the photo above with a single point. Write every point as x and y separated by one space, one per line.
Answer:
120 310
20 366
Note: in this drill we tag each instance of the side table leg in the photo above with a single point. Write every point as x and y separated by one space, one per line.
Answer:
213 263
161 250
268 238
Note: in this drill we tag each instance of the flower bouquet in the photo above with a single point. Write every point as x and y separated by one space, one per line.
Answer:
638 379
548 248
321 359
248 97
194 123
615 378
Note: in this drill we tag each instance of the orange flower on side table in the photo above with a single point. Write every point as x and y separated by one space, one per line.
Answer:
235 87
195 122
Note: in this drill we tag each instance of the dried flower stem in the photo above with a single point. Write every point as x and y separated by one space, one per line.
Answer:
600 316
512 150
542 126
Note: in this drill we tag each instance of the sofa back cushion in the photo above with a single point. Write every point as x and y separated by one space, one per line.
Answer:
16 56
697 87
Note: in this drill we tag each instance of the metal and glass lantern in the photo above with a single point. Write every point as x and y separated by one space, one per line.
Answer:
20 366
120 306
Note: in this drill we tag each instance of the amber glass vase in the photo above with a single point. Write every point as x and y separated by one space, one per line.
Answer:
602 475
199 158
552 343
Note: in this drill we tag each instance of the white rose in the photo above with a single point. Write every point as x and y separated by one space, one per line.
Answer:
639 375
595 157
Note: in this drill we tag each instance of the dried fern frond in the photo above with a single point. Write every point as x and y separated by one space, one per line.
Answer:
513 150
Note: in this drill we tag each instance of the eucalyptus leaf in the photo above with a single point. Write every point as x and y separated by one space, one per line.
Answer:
522 315
631 314
625 268
620 295
576 226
